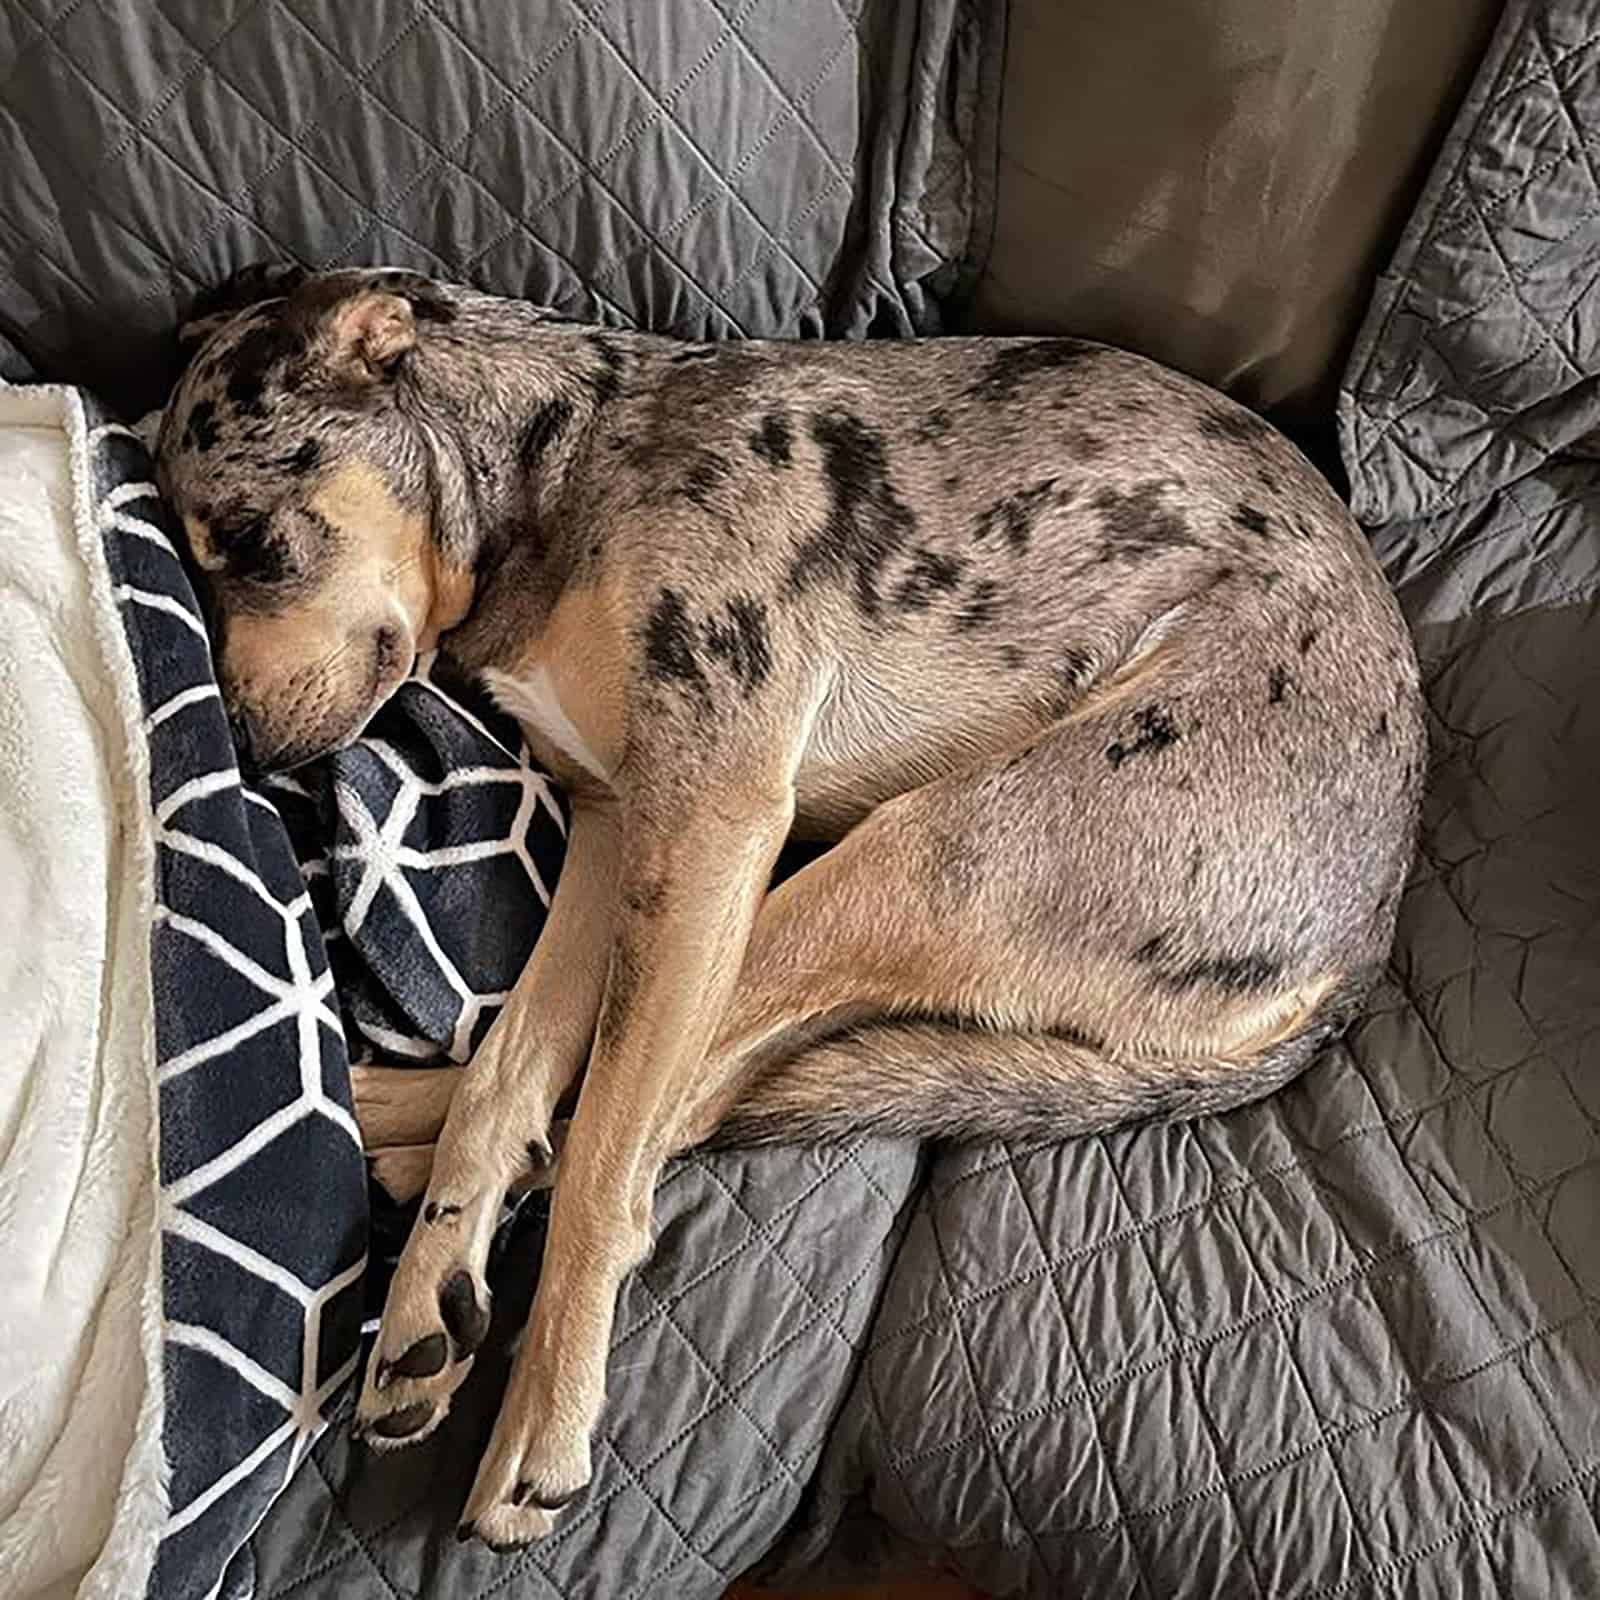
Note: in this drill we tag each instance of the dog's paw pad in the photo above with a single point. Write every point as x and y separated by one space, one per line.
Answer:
404 1425
423 1360
465 1317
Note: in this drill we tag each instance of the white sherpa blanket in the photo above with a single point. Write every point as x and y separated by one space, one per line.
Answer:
81 1491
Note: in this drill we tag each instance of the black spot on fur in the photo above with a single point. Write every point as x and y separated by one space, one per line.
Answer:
669 645
264 349
1155 731
931 575
1279 683
1138 524
951 482
867 521
1154 949
1307 639
1267 479
465 1320
1251 520
201 432
1085 445
433 1211
933 426
1235 974
546 425
242 536
979 611
305 458
741 640
1074 670
607 380
1197 858
1015 515
1012 365
1012 656
705 471
1235 425
773 441
1380 733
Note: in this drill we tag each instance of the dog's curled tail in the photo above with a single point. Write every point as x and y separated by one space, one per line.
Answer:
929 1079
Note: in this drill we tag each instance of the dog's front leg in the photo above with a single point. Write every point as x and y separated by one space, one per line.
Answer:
690 886
497 1125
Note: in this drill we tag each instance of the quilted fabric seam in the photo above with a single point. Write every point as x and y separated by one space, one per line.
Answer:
1282 1322
1208 1422
588 168
970 1369
1106 1463
1186 1344
444 159
1414 1401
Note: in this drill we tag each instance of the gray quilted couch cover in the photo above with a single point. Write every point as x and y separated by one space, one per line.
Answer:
1343 1344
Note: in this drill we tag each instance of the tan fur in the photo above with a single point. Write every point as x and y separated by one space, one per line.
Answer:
1095 684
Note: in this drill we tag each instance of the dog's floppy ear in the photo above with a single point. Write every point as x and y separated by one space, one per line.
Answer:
262 280
367 321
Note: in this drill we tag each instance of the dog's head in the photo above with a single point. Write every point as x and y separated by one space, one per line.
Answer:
304 490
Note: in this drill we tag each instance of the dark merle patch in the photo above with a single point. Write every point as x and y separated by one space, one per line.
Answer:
669 645
1380 731
304 459
705 471
433 1211
1015 515
773 441
201 431
932 427
930 576
1267 479
607 381
1279 683
1155 730
1307 639
1154 949
867 521
542 429
465 1320
981 606
703 352
242 536
1236 425
951 482
1013 364
1085 445
742 641
1074 669
267 347
1012 656
1138 524
1235 974
1197 858
1251 520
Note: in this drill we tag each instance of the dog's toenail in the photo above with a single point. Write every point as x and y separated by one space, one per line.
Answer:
466 1531
422 1360
523 1495
403 1423
467 1321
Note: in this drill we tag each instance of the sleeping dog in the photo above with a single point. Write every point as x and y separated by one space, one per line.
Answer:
1094 680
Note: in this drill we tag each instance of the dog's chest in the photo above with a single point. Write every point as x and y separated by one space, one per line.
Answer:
531 697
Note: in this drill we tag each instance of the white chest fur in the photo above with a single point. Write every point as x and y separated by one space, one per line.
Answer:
532 700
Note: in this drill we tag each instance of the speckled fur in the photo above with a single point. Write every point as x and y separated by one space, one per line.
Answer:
1093 676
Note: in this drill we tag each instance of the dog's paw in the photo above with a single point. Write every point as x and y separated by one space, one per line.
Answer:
436 1316
527 1475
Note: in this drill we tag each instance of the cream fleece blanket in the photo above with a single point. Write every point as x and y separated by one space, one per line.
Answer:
81 1493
